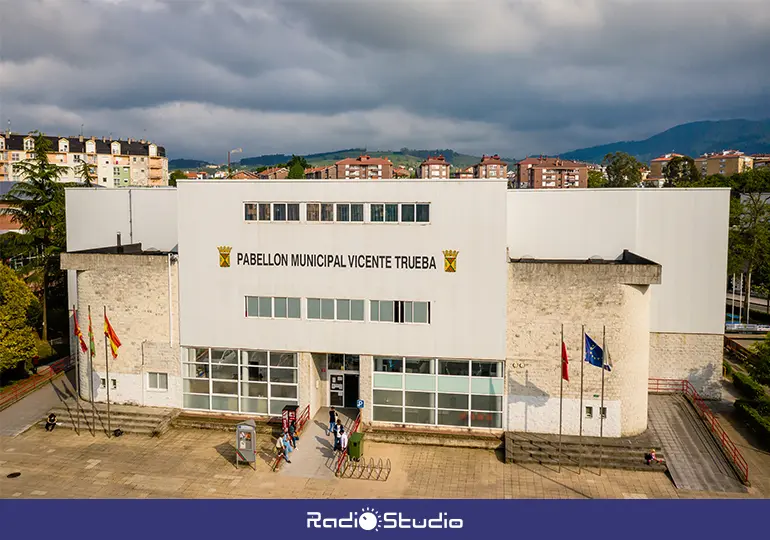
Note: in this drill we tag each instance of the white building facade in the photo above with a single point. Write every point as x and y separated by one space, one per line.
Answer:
435 305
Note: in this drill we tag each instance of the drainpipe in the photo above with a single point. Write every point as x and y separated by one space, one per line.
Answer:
170 307
142 374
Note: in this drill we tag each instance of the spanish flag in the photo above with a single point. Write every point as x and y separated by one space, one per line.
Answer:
112 336
78 332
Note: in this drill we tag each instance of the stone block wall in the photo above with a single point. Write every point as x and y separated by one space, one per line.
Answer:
695 357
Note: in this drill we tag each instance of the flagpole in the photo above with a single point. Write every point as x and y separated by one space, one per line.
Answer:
91 371
77 368
582 361
107 360
732 297
561 389
601 407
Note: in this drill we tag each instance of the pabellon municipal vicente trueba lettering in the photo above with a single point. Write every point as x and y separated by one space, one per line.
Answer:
324 260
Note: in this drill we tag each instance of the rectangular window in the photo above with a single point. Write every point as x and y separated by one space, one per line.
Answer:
280 307
589 412
604 412
388 365
293 310
292 213
356 310
313 308
250 210
343 212
279 212
357 212
327 309
327 212
158 381
313 211
419 365
378 213
486 369
264 211
407 212
116 171
391 213
423 213
453 367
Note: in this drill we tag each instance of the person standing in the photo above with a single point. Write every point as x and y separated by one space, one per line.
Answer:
337 430
286 442
343 440
332 421
293 434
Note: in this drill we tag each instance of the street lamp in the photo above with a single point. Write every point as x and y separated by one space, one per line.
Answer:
236 151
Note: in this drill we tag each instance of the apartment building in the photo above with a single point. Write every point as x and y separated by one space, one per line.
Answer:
550 173
401 172
274 173
491 167
436 167
761 160
726 162
321 173
364 167
113 163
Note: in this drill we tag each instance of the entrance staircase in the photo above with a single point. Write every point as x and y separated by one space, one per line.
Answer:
152 421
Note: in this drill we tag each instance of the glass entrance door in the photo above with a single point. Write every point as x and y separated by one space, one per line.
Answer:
343 379
336 389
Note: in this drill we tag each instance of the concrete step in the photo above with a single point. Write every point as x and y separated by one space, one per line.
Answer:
189 420
451 438
153 421
570 448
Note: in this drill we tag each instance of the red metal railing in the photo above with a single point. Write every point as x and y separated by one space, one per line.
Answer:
344 453
668 386
14 393
301 421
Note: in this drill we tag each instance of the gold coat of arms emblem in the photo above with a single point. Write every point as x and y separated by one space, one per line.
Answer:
224 256
450 260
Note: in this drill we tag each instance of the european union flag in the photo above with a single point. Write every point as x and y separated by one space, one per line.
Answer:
594 353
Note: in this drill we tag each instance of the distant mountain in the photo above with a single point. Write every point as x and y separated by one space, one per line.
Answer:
176 164
693 139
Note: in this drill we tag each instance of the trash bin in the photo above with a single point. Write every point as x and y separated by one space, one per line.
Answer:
356 446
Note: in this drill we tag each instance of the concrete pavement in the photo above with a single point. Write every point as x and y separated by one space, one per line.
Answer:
35 406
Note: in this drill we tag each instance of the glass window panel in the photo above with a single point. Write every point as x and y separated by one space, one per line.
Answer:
407 312
280 307
487 369
487 420
487 386
388 397
258 406
452 384
352 362
221 387
378 212
265 306
387 364
453 401
313 212
253 373
327 212
407 212
196 402
453 418
254 358
421 312
196 386
388 380
294 309
420 382
374 310
224 372
419 365
386 310
277 405
343 212
336 361
450 367
487 403
327 308
153 380
391 212
283 359
200 356
423 213
197 371
420 399
224 356
264 211
356 212
313 308
292 213
162 381
283 375
387 414
284 391
343 310
419 416
219 403
254 390
279 212
356 310
252 306
250 210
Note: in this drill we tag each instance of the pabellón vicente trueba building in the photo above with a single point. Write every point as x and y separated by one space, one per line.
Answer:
439 304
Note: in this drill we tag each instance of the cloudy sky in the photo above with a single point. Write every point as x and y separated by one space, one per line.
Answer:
301 76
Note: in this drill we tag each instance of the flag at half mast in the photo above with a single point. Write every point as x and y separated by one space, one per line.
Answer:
112 337
78 332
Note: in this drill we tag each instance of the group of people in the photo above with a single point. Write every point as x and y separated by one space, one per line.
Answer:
338 430
287 442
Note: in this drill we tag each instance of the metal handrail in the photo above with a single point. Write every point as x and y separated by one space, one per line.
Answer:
344 453
729 448
301 421
16 392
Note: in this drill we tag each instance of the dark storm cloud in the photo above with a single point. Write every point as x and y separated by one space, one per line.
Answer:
302 76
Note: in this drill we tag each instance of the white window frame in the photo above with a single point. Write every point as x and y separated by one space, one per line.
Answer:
156 388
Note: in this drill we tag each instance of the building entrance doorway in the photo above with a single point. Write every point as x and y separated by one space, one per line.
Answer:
343 379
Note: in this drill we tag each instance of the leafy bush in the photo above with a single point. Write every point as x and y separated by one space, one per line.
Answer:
759 424
728 369
748 387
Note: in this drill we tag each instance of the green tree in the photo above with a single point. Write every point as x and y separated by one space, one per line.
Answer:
18 341
84 171
297 170
681 172
596 179
622 169
37 204
761 366
298 159
174 176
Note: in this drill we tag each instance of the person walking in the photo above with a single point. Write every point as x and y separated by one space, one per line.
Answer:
293 434
332 421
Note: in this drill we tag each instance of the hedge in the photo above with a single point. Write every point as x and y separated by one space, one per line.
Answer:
747 386
728 369
759 424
